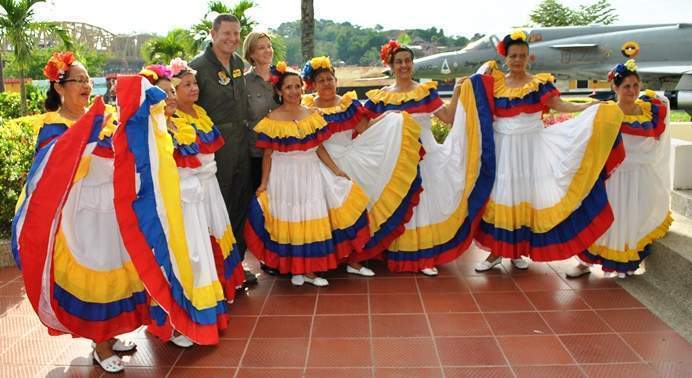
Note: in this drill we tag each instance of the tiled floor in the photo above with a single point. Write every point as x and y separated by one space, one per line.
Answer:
505 323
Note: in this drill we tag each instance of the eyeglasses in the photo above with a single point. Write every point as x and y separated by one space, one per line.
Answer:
80 81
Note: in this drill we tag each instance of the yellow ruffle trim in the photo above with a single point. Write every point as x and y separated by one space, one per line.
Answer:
91 285
500 89
398 98
315 230
413 240
49 118
111 114
296 129
202 122
226 241
405 172
346 101
606 127
184 132
632 254
646 116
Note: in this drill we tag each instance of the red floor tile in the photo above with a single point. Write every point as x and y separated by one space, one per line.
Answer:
345 286
334 326
508 301
569 371
673 369
459 325
556 300
9 273
89 371
605 348
226 354
275 353
239 327
247 305
408 372
283 327
397 285
449 302
478 372
35 351
285 288
402 352
517 323
469 351
482 284
534 350
339 352
395 303
12 289
620 371
413 325
541 282
349 372
633 320
441 285
342 304
153 353
663 346
290 305
591 282
190 372
565 322
269 373
609 298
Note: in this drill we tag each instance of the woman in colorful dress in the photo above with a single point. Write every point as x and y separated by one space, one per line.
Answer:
548 201
442 224
258 51
639 190
215 261
308 216
77 273
382 159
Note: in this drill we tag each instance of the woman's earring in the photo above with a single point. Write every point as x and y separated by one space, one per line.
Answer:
528 66
281 99
505 67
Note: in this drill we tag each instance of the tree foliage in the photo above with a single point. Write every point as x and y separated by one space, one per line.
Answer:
178 43
554 13
352 44
18 28
94 61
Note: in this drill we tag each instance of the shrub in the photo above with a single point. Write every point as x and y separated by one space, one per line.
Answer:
16 152
9 102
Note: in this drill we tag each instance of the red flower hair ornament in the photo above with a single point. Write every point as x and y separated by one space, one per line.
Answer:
387 50
58 64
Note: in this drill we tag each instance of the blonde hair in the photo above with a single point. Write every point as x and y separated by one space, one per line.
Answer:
249 44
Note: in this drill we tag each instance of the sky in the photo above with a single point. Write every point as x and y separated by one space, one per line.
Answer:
455 17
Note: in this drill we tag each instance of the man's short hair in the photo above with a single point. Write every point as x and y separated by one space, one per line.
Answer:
223 17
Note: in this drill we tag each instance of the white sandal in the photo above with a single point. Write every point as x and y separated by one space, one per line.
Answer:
112 364
123 345
486 265
430 272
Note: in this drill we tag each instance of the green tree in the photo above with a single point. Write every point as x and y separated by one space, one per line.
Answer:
202 29
18 28
553 13
94 61
178 43
307 29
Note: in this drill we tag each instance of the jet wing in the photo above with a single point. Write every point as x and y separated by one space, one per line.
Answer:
572 46
665 70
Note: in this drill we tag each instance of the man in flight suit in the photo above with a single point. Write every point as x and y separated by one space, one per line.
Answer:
222 94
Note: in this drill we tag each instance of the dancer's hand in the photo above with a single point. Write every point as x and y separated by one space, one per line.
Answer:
262 188
341 173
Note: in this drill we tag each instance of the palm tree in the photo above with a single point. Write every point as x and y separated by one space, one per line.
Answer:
18 28
201 29
307 28
178 43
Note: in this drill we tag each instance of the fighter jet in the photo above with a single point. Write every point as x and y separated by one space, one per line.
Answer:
663 53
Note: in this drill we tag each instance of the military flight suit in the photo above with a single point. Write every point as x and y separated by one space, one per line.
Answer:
222 94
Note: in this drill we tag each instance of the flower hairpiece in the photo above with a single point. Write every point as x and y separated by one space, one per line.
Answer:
316 63
387 50
179 66
58 64
516 35
156 72
276 71
622 68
